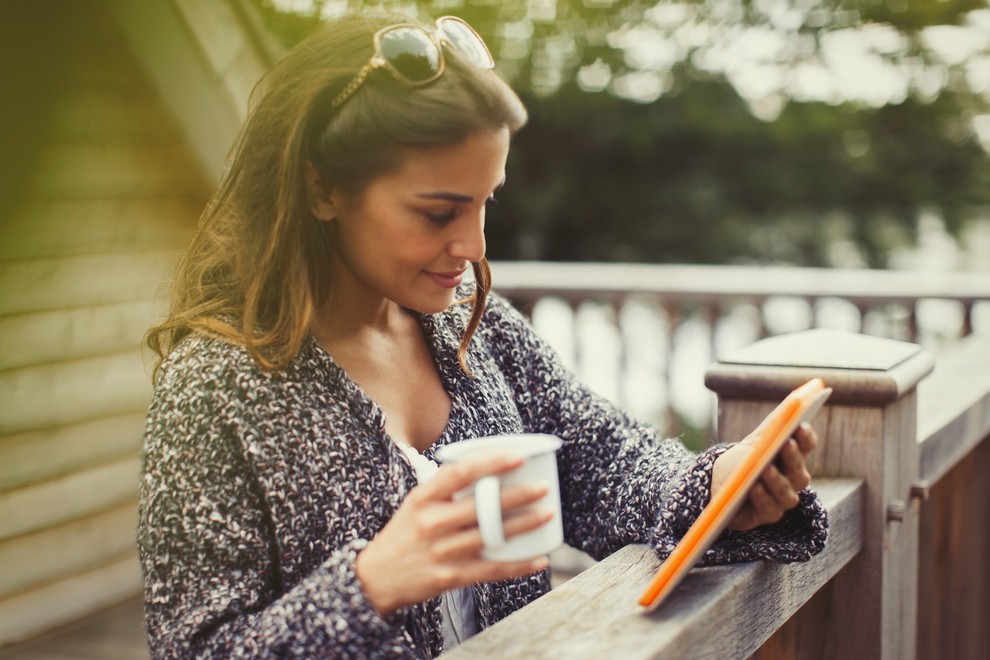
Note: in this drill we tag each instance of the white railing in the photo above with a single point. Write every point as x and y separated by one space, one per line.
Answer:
642 334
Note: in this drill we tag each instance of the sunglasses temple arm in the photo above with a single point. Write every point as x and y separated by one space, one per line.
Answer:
352 86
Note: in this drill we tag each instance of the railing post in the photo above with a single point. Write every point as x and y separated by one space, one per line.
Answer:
867 431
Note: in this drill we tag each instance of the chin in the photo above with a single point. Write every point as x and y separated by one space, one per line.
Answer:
433 304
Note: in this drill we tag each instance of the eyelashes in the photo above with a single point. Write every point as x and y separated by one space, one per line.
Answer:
451 215
441 218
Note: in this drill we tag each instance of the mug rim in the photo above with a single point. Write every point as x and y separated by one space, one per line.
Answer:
453 452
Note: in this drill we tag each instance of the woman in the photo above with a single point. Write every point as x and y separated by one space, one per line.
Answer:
315 356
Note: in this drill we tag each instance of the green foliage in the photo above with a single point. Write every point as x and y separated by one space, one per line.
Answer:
694 438
696 178
697 169
913 15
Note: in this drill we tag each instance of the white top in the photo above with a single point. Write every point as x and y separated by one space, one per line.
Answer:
460 617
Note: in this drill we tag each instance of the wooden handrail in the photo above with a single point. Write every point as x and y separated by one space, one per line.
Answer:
954 407
727 611
714 284
895 558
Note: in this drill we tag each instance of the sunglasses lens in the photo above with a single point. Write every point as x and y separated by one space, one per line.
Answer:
411 54
467 42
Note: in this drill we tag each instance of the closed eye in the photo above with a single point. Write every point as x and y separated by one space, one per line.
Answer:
441 218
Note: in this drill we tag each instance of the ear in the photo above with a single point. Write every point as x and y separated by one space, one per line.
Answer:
321 201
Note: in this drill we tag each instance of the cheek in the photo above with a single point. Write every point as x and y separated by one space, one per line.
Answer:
355 246
410 239
384 248
412 255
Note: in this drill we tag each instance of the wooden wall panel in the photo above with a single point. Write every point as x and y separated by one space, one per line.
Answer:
71 548
114 194
109 168
73 227
78 495
33 612
70 334
36 285
52 395
39 455
105 112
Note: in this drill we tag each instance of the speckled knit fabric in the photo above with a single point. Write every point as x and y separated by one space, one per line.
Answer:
259 490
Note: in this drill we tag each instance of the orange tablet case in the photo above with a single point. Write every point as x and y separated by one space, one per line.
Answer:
773 432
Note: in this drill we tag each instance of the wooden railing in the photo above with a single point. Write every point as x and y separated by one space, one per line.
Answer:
901 470
721 309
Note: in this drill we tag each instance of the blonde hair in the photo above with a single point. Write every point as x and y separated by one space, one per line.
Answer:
255 272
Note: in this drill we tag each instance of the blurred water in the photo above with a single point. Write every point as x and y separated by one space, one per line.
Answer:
591 340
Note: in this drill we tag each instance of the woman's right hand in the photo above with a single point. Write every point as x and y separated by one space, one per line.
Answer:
433 544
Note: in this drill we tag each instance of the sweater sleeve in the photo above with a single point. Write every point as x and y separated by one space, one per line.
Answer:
621 482
208 554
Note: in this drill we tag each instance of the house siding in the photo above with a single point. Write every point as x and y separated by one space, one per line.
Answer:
113 195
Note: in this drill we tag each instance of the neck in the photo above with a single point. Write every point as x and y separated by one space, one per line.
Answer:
346 316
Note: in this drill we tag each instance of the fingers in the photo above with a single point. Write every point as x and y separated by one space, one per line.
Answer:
779 487
762 509
791 461
452 478
468 543
806 438
432 542
770 497
461 514
765 508
394 573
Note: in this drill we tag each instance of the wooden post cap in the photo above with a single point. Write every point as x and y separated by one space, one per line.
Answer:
860 369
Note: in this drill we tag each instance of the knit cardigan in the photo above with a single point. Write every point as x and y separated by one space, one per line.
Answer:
260 488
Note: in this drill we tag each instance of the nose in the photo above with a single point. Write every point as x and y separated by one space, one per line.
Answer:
468 241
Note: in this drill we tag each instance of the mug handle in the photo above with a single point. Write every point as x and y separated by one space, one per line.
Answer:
488 506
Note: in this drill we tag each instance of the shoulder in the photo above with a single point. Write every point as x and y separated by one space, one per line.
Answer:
199 360
500 310
504 322
214 373
196 381
500 319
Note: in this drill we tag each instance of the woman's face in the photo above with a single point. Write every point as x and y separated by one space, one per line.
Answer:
411 235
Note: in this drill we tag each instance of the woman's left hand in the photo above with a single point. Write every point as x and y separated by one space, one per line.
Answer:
778 486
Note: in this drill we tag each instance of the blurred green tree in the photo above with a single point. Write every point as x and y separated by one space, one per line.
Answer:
727 130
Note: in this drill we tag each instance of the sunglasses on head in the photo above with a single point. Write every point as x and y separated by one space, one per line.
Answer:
414 54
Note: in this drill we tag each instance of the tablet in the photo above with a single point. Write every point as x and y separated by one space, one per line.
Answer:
799 406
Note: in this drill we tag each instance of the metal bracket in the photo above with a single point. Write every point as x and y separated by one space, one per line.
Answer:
921 490
896 509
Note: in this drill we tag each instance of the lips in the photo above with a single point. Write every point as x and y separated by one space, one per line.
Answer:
449 280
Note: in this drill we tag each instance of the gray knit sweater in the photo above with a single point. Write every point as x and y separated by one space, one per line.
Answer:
259 489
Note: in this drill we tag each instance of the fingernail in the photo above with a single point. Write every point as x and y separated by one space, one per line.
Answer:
542 514
539 487
513 459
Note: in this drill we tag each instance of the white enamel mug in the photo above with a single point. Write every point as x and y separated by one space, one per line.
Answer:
538 451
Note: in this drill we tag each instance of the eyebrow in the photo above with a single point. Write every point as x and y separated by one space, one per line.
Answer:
457 198
446 196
